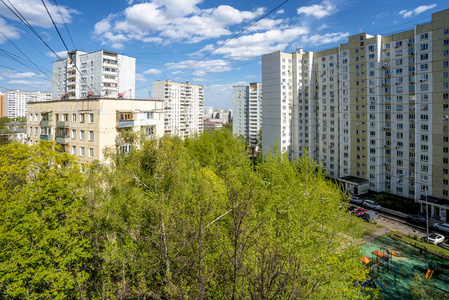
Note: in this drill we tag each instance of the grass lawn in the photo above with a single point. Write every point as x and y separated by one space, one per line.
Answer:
358 228
418 243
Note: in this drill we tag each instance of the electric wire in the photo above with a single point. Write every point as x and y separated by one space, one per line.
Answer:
37 67
234 36
62 39
65 24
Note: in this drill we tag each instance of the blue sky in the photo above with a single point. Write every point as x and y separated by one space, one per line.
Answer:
167 37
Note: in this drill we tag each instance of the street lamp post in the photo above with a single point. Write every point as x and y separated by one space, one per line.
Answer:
427 218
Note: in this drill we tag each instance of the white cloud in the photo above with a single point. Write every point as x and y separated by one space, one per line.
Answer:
152 71
327 38
140 77
281 11
202 67
257 44
26 84
319 11
414 12
166 21
9 31
220 95
35 12
23 75
252 76
322 27
61 54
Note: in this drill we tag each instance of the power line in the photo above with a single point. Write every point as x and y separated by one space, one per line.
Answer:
24 55
234 36
65 24
54 24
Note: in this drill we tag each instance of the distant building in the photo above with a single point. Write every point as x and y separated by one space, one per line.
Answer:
183 106
84 127
247 109
2 106
219 115
106 74
17 102
210 126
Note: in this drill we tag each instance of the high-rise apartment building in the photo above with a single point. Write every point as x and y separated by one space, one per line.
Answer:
247 109
17 102
373 109
2 106
183 106
103 73
84 127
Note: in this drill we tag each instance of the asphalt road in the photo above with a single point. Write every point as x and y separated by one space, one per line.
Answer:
396 221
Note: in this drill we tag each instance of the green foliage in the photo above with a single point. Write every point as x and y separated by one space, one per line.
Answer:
44 249
173 219
422 288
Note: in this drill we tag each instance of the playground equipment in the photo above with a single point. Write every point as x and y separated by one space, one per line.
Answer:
380 283
394 252
429 274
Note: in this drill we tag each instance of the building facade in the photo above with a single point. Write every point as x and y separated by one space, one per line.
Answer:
2 106
84 127
183 104
105 74
247 109
375 108
17 102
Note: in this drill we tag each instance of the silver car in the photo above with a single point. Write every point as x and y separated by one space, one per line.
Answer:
441 226
372 204
356 200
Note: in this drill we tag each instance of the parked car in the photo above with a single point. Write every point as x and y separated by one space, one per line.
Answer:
350 209
417 219
359 212
372 204
356 200
445 245
373 215
435 238
441 226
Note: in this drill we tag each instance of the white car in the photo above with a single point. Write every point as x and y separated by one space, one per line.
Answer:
356 200
435 238
441 226
372 204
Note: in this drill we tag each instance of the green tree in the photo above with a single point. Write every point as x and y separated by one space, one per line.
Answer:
44 222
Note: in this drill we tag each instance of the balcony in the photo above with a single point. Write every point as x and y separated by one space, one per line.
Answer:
44 123
45 137
125 124
62 140
62 124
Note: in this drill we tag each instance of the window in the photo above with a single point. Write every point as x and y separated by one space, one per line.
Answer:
81 151
91 152
81 118
82 135
424 36
91 118
31 117
73 117
74 150
424 46
73 134
91 135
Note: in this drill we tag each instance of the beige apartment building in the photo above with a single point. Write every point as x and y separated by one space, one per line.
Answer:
85 127
374 111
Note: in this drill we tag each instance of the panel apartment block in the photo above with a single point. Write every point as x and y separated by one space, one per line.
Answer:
247 108
105 74
375 108
16 102
183 104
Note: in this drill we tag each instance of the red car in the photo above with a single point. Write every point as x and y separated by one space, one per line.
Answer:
359 212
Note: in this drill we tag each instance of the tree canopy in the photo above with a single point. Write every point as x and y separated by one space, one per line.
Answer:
173 219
